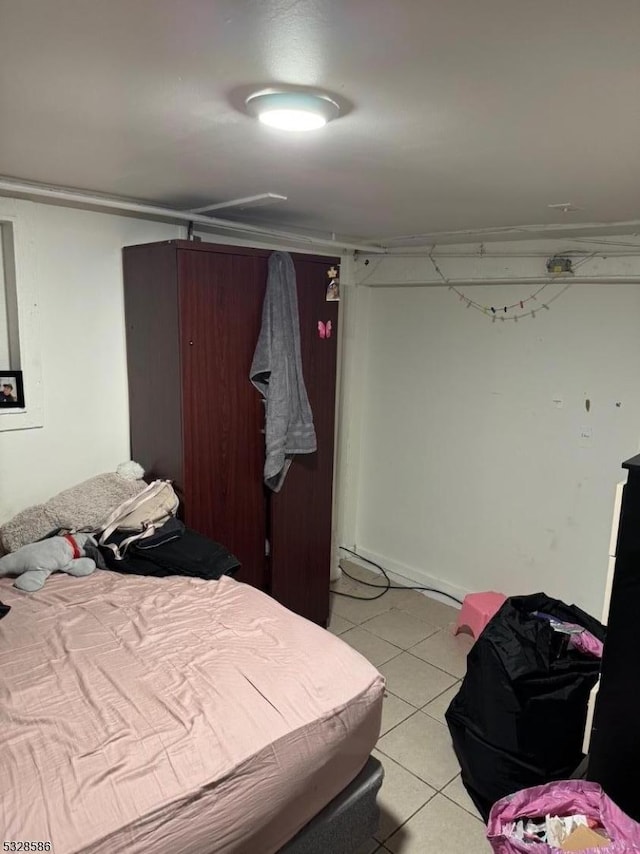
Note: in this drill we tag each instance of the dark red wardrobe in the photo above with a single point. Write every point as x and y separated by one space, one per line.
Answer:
193 314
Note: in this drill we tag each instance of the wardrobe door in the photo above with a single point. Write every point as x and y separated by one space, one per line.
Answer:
301 513
221 297
153 357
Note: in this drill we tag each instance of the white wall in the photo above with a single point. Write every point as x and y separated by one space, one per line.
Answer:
73 260
455 462
78 262
469 473
4 328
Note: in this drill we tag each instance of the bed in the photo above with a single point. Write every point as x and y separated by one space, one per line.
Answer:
178 715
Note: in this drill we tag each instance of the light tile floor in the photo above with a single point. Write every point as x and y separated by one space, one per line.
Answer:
407 636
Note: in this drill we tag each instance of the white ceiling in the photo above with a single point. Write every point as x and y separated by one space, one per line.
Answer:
466 114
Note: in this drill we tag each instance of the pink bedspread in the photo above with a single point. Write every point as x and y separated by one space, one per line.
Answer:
172 716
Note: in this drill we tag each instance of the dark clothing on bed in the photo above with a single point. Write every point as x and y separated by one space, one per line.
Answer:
189 554
4 610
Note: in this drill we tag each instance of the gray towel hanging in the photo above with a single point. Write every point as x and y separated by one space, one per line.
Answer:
276 371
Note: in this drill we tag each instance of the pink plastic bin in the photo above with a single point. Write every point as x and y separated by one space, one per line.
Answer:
477 610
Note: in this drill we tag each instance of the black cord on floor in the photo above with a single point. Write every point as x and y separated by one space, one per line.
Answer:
367 583
387 586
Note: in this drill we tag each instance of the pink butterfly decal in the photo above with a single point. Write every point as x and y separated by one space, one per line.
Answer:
324 329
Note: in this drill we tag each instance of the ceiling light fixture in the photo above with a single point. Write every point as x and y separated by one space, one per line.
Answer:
292 111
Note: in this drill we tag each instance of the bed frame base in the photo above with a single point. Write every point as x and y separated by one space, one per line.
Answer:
347 822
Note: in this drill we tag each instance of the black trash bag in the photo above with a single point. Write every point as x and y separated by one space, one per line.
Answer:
519 717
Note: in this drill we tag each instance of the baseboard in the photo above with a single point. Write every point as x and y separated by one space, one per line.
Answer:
400 573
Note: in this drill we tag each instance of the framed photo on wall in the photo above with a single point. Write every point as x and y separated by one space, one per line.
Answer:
11 390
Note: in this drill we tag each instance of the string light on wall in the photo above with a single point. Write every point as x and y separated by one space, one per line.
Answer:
558 269
507 312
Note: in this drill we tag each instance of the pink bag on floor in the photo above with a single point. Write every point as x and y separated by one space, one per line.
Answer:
568 797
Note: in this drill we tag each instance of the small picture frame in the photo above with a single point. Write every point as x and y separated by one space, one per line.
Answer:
333 285
11 389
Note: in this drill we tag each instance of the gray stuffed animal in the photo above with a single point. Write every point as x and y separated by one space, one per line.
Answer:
34 563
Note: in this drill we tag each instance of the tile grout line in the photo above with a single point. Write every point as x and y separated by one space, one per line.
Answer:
398 697
363 626
435 666
441 669
400 826
399 653
408 649
449 783
379 637
428 801
393 658
422 806
468 812
391 730
413 815
382 663
415 709
437 627
437 697
408 614
436 790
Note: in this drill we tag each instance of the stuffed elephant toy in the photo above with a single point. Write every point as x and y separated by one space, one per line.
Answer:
34 563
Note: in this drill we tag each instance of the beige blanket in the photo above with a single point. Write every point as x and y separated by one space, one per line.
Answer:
85 505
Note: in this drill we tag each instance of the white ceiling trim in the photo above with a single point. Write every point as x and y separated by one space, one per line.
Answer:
510 280
73 198
509 231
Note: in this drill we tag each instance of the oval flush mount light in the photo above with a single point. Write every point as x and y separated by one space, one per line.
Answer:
292 111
